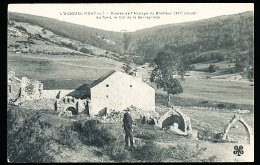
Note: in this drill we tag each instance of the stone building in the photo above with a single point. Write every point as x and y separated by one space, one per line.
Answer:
117 91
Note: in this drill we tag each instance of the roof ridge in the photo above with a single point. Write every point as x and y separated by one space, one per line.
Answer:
102 78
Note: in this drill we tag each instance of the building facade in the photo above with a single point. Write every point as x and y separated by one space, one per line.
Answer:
117 91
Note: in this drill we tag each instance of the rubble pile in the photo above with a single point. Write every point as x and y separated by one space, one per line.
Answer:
38 104
138 115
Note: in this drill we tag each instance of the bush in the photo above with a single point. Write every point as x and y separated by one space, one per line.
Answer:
117 152
184 152
67 137
91 132
206 135
149 152
21 28
25 139
233 106
85 50
212 68
221 106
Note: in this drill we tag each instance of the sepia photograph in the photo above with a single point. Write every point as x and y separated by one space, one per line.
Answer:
130 82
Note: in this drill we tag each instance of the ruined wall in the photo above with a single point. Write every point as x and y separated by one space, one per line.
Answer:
246 126
30 89
68 102
38 104
13 86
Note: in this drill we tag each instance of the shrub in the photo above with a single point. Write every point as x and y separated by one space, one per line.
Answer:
210 159
212 68
117 152
233 106
91 132
221 106
67 137
149 152
206 135
21 28
25 139
85 50
11 23
184 152
204 102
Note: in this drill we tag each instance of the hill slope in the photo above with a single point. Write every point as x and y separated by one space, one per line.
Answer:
222 33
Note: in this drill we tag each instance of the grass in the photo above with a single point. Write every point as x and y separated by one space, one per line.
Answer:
47 67
41 136
161 100
240 93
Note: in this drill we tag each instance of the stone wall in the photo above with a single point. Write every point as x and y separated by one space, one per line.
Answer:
66 102
38 104
30 89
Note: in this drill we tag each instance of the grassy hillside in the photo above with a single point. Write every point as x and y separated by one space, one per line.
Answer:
96 37
224 35
42 136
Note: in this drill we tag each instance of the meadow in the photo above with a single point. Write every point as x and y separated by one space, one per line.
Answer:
51 68
75 70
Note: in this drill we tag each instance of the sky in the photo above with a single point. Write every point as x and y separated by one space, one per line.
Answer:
130 17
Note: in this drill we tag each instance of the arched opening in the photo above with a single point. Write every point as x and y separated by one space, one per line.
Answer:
73 110
235 129
174 119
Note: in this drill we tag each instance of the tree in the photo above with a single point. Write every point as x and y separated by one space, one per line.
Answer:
212 68
166 66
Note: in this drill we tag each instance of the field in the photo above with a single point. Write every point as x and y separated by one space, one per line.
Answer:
76 70
61 69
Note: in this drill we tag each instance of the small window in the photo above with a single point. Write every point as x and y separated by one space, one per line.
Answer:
130 85
107 85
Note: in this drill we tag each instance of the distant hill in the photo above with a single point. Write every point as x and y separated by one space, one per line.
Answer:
218 38
222 33
96 37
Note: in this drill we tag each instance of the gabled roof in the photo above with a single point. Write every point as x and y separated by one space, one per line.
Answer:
96 82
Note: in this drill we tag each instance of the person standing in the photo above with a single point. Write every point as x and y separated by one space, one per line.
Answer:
127 124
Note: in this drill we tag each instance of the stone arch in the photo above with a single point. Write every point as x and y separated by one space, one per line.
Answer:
72 109
174 112
243 122
174 118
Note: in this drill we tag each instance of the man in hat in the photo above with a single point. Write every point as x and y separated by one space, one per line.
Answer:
127 120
